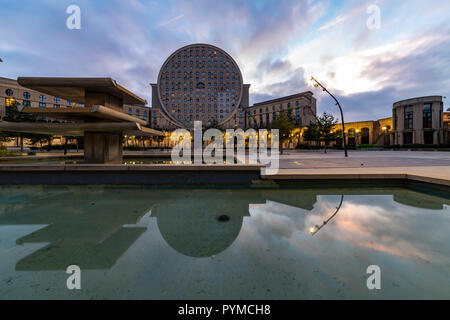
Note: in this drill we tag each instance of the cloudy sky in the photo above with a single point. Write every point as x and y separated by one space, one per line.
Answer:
278 45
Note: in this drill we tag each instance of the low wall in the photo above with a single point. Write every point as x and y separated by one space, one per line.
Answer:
152 174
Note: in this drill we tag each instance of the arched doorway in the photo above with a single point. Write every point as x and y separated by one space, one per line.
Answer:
339 138
351 140
365 136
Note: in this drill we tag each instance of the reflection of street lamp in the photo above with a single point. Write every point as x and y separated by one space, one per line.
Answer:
316 228
317 83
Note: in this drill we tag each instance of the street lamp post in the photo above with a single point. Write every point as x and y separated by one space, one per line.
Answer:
342 113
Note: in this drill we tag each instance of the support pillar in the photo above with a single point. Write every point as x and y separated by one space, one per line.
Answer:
102 147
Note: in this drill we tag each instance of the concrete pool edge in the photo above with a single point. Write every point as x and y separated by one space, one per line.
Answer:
151 174
242 174
436 175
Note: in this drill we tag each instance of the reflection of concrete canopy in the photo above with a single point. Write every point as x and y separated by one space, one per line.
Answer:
419 200
87 231
102 119
189 222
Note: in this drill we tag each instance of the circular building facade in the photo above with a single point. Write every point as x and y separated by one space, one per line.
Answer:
200 82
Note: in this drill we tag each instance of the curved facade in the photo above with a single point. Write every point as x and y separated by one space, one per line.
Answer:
418 121
199 82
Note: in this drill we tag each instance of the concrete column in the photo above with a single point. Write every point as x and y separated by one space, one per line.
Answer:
102 147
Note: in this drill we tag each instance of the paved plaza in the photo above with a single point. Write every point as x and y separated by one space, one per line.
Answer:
362 159
431 167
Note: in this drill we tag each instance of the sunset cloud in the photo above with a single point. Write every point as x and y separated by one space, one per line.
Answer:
277 44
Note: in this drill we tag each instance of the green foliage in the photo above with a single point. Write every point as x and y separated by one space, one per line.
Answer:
4 152
285 124
14 115
418 146
305 146
321 129
367 146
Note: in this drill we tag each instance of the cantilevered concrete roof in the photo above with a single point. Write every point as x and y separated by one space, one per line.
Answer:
78 129
84 114
75 89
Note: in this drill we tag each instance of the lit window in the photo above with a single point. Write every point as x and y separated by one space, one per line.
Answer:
9 102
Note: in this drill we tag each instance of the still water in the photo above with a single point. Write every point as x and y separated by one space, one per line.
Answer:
174 243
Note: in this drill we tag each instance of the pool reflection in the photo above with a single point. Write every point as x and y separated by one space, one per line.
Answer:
93 227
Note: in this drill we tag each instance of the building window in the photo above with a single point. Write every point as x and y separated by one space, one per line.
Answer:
9 102
9 92
395 120
42 105
41 97
427 121
409 117
26 103
297 116
56 106
56 100
26 95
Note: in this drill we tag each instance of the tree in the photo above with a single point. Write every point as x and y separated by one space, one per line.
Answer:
321 130
285 124
14 115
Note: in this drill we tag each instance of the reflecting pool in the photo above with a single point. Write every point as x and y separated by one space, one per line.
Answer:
137 242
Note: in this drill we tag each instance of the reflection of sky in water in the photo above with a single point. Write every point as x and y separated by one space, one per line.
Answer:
136 242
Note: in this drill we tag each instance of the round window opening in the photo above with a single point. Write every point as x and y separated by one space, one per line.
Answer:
9 92
200 86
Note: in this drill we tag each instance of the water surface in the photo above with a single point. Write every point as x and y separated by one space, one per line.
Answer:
183 243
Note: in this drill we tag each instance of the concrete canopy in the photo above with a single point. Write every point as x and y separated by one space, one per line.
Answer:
84 114
78 129
101 121
76 89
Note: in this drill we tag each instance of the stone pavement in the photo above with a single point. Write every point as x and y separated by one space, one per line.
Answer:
358 159
432 167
